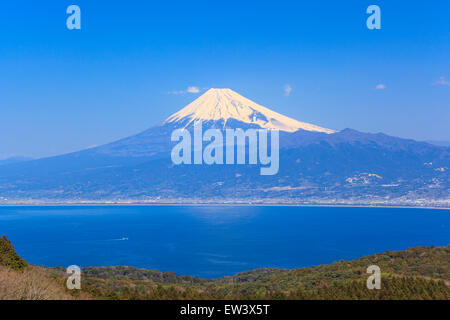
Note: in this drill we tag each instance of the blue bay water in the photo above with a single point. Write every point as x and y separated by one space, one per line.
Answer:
213 241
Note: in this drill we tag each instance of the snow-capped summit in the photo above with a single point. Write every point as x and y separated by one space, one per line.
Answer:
226 104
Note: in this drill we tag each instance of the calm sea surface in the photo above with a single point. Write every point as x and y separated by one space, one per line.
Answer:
213 241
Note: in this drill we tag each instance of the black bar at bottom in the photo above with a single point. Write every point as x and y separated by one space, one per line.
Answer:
226 309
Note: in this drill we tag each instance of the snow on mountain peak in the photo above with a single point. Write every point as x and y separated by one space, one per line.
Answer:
225 104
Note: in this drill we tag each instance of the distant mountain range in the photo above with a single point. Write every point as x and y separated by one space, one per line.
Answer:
439 143
317 166
15 159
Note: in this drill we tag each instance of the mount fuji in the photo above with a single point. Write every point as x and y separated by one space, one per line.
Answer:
223 105
317 166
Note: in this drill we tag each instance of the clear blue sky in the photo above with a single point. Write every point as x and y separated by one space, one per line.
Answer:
63 90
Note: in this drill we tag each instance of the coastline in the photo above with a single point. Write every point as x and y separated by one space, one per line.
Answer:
211 204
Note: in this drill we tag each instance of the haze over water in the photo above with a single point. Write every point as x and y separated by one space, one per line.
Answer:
214 241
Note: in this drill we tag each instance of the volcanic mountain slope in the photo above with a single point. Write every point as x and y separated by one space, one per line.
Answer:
216 108
221 105
317 166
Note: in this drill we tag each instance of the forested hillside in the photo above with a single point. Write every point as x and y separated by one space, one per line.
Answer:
415 273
